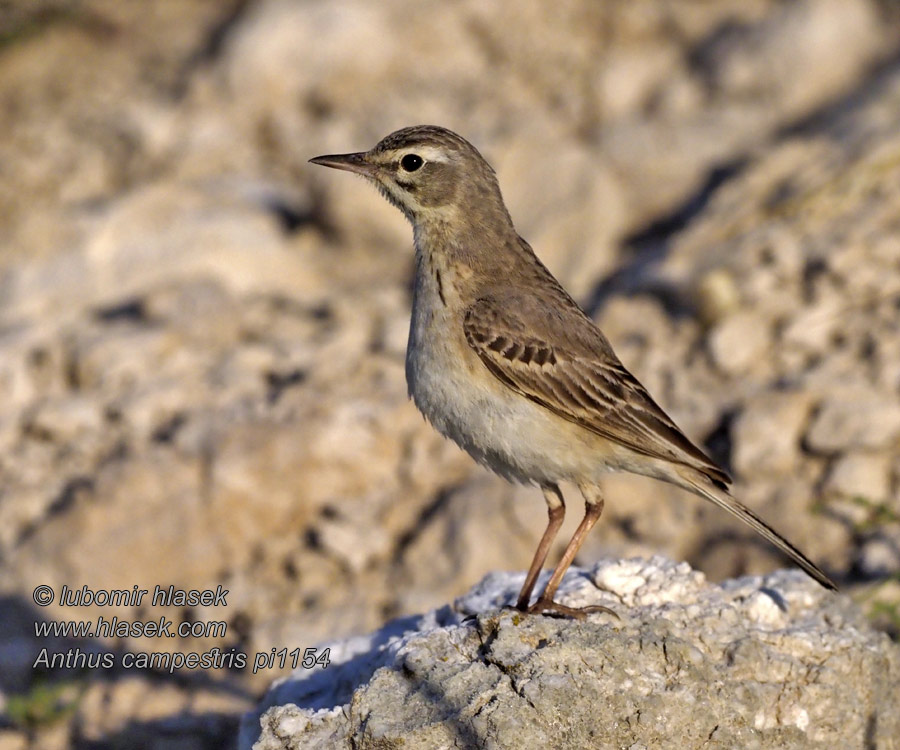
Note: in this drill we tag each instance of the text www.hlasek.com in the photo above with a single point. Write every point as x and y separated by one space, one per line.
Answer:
116 628
161 627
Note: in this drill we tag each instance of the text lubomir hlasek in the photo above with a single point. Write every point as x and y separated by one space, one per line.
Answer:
168 596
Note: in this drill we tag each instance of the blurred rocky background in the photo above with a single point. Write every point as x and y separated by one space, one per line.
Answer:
202 337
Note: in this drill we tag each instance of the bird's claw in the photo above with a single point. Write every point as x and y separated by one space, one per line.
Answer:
554 609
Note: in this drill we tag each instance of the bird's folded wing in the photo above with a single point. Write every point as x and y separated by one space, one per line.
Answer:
579 379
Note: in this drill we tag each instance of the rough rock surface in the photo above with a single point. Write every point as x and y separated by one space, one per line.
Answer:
773 662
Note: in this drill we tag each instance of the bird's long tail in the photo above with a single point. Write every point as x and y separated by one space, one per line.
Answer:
702 486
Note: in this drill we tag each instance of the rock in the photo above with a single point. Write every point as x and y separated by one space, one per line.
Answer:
575 224
882 605
739 342
766 434
813 329
487 524
861 475
138 713
768 55
10 740
65 421
880 556
854 419
765 662
718 295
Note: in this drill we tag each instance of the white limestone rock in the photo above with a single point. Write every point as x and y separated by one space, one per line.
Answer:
765 662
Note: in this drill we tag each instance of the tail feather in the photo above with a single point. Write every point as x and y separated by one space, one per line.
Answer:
705 488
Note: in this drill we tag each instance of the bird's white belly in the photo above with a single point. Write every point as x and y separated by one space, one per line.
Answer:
498 427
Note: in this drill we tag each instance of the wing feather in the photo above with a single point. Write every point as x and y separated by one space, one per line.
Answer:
579 379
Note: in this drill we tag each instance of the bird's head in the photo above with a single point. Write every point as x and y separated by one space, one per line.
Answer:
428 172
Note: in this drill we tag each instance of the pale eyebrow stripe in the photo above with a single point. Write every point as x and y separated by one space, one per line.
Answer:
428 153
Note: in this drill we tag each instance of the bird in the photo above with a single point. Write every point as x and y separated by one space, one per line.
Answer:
501 359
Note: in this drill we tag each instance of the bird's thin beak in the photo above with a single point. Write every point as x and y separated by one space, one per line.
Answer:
348 162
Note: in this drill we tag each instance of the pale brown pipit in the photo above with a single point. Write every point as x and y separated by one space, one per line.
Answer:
503 361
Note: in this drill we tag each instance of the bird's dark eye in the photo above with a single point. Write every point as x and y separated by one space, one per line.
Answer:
411 162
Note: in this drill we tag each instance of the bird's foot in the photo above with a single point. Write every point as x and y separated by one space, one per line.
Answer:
553 609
